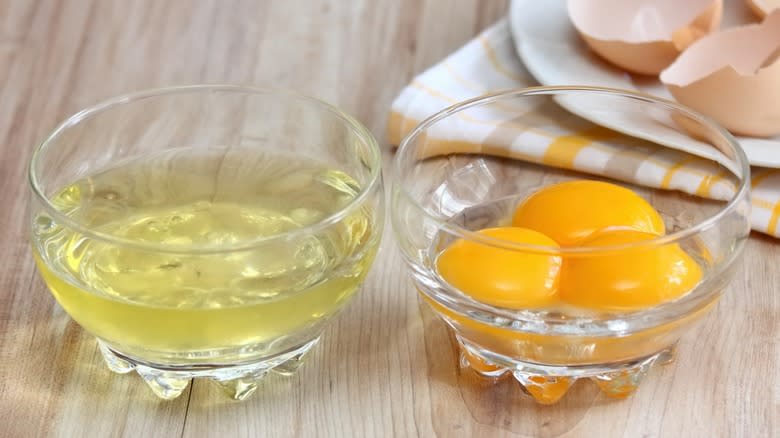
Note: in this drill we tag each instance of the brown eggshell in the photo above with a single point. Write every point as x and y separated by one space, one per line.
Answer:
643 36
734 77
763 7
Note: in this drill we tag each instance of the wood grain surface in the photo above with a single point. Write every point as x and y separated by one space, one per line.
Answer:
385 367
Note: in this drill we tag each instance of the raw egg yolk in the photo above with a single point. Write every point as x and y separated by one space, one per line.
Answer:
627 279
572 211
502 277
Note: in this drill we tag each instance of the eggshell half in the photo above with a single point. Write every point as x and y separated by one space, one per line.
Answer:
643 36
734 77
763 7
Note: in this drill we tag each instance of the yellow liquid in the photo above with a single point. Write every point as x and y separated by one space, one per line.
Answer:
173 303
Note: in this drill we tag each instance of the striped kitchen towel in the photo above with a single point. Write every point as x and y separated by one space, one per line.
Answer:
489 63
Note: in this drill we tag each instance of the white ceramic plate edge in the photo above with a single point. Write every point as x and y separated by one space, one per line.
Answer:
553 53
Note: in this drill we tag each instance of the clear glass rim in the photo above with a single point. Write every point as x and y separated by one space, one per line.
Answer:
375 163
740 157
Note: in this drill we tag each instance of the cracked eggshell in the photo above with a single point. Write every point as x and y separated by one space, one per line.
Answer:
734 77
763 7
643 36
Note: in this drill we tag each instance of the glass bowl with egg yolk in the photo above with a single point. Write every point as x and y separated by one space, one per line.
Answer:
566 233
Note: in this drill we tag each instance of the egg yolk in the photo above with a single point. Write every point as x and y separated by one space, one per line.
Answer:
502 277
572 211
628 279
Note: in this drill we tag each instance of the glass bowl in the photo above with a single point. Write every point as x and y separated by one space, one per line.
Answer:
206 231
467 167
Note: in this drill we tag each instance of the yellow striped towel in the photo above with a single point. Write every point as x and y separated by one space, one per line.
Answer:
489 63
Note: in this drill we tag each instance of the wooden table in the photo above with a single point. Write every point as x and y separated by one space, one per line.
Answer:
384 367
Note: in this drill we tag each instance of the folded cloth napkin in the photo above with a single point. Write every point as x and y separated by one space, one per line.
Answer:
489 63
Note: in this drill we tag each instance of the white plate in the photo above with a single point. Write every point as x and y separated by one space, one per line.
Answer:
554 54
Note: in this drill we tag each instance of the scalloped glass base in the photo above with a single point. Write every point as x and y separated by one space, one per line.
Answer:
548 384
238 381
